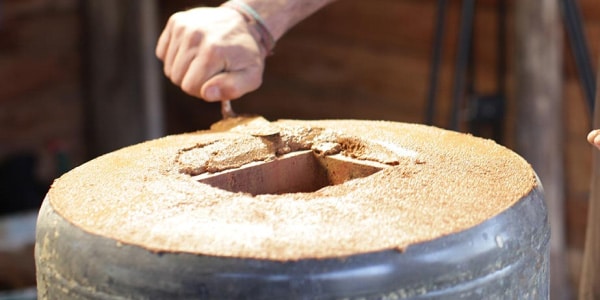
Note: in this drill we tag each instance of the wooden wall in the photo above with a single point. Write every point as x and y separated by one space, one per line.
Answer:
40 93
40 111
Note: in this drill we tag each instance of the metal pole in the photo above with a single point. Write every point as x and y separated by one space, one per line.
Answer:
579 47
435 61
150 70
462 59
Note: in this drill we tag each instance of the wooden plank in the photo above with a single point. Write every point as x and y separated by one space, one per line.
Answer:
538 47
590 10
116 106
577 125
15 9
33 120
348 80
40 53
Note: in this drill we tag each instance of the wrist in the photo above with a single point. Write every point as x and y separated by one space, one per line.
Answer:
252 17
281 15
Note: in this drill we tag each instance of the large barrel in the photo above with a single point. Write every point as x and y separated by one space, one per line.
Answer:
88 246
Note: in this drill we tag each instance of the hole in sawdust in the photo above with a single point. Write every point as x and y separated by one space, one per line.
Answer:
297 172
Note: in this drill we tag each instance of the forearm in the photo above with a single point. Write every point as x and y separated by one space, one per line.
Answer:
281 15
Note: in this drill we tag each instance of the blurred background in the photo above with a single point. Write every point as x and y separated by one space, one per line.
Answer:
78 78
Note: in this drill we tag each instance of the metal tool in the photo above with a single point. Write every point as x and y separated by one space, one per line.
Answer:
227 110
251 124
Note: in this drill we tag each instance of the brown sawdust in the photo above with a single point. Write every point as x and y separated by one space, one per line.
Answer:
439 182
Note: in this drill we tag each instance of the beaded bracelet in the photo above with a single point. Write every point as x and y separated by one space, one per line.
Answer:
266 38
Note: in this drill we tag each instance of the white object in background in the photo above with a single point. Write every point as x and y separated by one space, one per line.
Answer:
17 230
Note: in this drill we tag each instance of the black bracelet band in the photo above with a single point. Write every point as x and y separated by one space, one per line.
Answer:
266 38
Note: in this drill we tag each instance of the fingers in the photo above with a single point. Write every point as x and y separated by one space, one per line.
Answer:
207 75
232 85
176 46
188 54
594 138
185 58
169 42
163 41
211 53
204 66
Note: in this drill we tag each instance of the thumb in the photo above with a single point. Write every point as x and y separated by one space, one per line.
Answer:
232 84
593 137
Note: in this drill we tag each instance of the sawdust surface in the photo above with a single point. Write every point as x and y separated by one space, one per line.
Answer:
438 182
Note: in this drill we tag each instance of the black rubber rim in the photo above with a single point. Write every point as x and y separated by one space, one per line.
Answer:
506 254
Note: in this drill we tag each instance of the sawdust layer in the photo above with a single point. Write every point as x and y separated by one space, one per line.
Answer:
439 182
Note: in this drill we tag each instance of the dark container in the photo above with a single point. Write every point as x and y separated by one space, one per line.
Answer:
505 257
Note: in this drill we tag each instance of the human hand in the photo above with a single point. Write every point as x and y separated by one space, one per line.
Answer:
212 53
594 138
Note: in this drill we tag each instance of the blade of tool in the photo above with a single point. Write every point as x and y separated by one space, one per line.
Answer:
254 125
